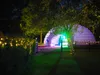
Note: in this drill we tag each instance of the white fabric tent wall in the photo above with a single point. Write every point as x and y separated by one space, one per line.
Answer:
81 36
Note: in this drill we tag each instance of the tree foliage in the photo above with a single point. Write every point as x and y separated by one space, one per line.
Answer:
83 12
42 15
34 17
67 15
91 16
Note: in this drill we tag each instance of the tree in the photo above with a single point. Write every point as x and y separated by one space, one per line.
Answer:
40 16
85 13
64 18
34 18
67 16
90 15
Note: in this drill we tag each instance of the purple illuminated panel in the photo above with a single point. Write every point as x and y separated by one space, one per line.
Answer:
82 34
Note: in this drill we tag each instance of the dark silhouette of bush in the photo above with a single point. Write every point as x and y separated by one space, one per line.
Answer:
15 61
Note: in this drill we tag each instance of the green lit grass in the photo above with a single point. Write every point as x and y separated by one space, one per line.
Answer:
55 63
48 63
44 62
68 65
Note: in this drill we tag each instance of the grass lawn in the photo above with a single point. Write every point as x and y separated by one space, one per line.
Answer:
89 62
55 63
44 62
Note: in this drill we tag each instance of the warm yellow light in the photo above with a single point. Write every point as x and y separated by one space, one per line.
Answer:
5 43
2 38
0 42
16 41
16 44
25 47
11 44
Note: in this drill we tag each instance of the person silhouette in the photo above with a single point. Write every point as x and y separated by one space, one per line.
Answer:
36 46
47 42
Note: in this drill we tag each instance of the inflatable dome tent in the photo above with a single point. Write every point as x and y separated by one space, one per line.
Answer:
80 37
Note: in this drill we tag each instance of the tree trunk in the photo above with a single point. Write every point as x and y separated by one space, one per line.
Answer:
71 45
41 37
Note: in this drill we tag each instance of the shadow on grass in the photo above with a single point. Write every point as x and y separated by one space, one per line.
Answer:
44 62
53 69
57 63
83 62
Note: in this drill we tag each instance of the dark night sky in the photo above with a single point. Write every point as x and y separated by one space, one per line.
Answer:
10 11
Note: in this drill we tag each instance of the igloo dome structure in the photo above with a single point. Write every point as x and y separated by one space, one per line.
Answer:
83 35
80 36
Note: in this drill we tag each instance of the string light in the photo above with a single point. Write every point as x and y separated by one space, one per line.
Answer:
5 43
18 42
0 42
2 38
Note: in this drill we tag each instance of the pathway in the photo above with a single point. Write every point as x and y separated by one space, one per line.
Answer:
66 65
